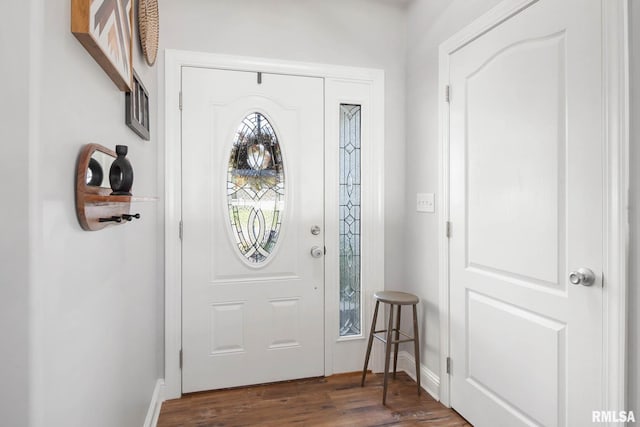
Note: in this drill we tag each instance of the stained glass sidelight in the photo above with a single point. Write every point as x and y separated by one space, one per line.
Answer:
255 188
350 308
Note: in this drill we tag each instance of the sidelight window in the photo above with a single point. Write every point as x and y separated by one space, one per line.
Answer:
349 217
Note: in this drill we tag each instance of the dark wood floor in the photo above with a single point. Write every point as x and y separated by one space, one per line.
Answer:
333 401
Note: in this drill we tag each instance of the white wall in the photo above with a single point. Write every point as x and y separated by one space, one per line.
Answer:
14 215
362 33
96 297
634 213
430 22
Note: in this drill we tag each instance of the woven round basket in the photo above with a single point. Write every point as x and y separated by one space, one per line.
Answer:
148 26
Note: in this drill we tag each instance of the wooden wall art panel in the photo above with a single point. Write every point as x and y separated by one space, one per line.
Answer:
104 27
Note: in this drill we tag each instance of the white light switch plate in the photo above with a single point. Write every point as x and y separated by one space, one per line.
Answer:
425 202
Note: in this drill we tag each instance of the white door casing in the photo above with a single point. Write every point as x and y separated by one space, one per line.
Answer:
367 87
527 346
251 322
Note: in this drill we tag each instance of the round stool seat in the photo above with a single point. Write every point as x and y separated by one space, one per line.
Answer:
396 297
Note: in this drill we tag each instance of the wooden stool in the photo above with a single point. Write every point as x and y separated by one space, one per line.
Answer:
393 298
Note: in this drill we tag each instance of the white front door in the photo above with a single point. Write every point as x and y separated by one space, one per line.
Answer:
526 144
252 209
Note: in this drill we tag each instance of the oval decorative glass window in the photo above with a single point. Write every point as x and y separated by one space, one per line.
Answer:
255 188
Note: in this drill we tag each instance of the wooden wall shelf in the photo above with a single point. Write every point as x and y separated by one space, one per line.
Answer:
95 206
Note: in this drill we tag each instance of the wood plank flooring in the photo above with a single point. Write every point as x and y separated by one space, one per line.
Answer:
333 401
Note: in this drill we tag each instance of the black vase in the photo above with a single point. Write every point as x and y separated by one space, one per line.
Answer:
121 173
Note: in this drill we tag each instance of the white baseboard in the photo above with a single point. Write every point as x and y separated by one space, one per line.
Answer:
155 405
428 379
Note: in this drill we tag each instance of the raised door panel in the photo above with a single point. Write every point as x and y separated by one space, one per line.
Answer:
515 147
517 358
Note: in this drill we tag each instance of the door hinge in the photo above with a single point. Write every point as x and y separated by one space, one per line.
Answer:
180 230
180 101
447 93
180 357
449 229
259 78
449 365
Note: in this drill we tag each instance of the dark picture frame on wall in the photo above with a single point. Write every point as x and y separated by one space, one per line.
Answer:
137 108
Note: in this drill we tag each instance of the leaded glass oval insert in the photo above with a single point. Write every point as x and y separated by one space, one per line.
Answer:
255 188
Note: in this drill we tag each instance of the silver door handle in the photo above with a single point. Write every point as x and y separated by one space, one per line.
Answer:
583 276
317 252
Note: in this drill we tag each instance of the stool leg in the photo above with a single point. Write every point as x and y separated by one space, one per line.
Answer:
387 355
395 354
371 332
416 341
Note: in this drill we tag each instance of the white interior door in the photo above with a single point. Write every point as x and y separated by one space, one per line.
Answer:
526 141
252 193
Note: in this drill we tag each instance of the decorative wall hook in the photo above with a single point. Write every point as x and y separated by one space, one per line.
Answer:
97 205
112 219
129 217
